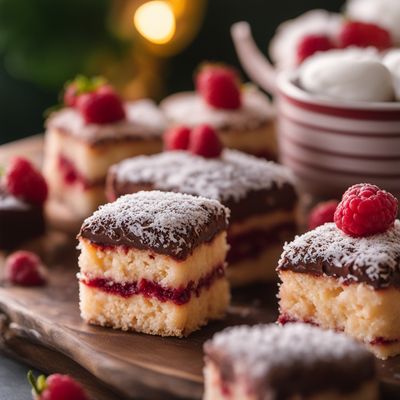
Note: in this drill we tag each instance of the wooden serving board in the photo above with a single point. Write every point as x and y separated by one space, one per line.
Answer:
42 326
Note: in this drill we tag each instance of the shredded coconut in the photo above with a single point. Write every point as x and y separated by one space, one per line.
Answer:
157 219
143 119
232 176
261 348
377 255
190 109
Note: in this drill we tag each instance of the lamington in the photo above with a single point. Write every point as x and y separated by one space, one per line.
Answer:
346 275
242 116
297 361
23 192
81 142
260 195
154 262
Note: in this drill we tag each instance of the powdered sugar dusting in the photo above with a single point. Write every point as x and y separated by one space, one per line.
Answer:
256 351
157 219
231 176
378 255
190 109
143 119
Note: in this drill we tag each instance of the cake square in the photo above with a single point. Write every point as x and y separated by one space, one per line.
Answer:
345 283
249 128
19 220
154 262
78 155
297 361
260 195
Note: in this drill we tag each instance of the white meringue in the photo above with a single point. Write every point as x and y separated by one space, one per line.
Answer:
283 46
353 75
392 61
385 13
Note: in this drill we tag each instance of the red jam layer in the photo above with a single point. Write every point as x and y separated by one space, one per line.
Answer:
379 341
71 176
251 244
148 288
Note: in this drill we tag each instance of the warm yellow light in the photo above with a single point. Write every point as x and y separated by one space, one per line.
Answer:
155 21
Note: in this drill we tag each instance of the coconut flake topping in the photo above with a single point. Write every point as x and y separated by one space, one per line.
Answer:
378 256
168 222
232 176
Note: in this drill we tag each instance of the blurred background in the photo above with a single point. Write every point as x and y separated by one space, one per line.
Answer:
146 48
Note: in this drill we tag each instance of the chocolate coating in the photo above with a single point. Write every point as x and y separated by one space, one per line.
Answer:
19 221
327 251
173 224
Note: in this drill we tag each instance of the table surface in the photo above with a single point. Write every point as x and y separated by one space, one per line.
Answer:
13 382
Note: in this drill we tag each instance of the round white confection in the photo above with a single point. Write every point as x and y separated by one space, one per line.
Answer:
353 74
392 61
385 13
283 47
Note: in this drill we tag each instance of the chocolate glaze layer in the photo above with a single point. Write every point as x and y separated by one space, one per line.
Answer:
302 378
255 202
347 273
19 221
173 224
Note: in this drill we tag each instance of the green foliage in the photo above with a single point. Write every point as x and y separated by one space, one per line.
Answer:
49 41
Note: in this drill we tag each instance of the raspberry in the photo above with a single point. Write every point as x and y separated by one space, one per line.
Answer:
56 387
311 44
219 86
205 142
362 34
322 213
23 180
24 268
177 138
103 106
365 209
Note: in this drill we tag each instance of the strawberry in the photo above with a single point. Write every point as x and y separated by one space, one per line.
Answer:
219 86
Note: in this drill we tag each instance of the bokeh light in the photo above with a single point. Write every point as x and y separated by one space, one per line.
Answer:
155 21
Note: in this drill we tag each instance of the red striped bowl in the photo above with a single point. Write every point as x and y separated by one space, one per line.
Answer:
330 145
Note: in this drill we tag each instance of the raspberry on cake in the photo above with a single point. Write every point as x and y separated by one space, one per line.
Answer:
242 117
154 262
296 361
94 132
348 283
260 195
23 192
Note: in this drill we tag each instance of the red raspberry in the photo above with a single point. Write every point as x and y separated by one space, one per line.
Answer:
365 209
23 180
71 94
103 106
56 387
363 34
219 86
177 138
311 44
24 268
205 142
322 213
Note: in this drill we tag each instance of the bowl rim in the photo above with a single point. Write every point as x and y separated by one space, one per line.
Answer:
286 85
